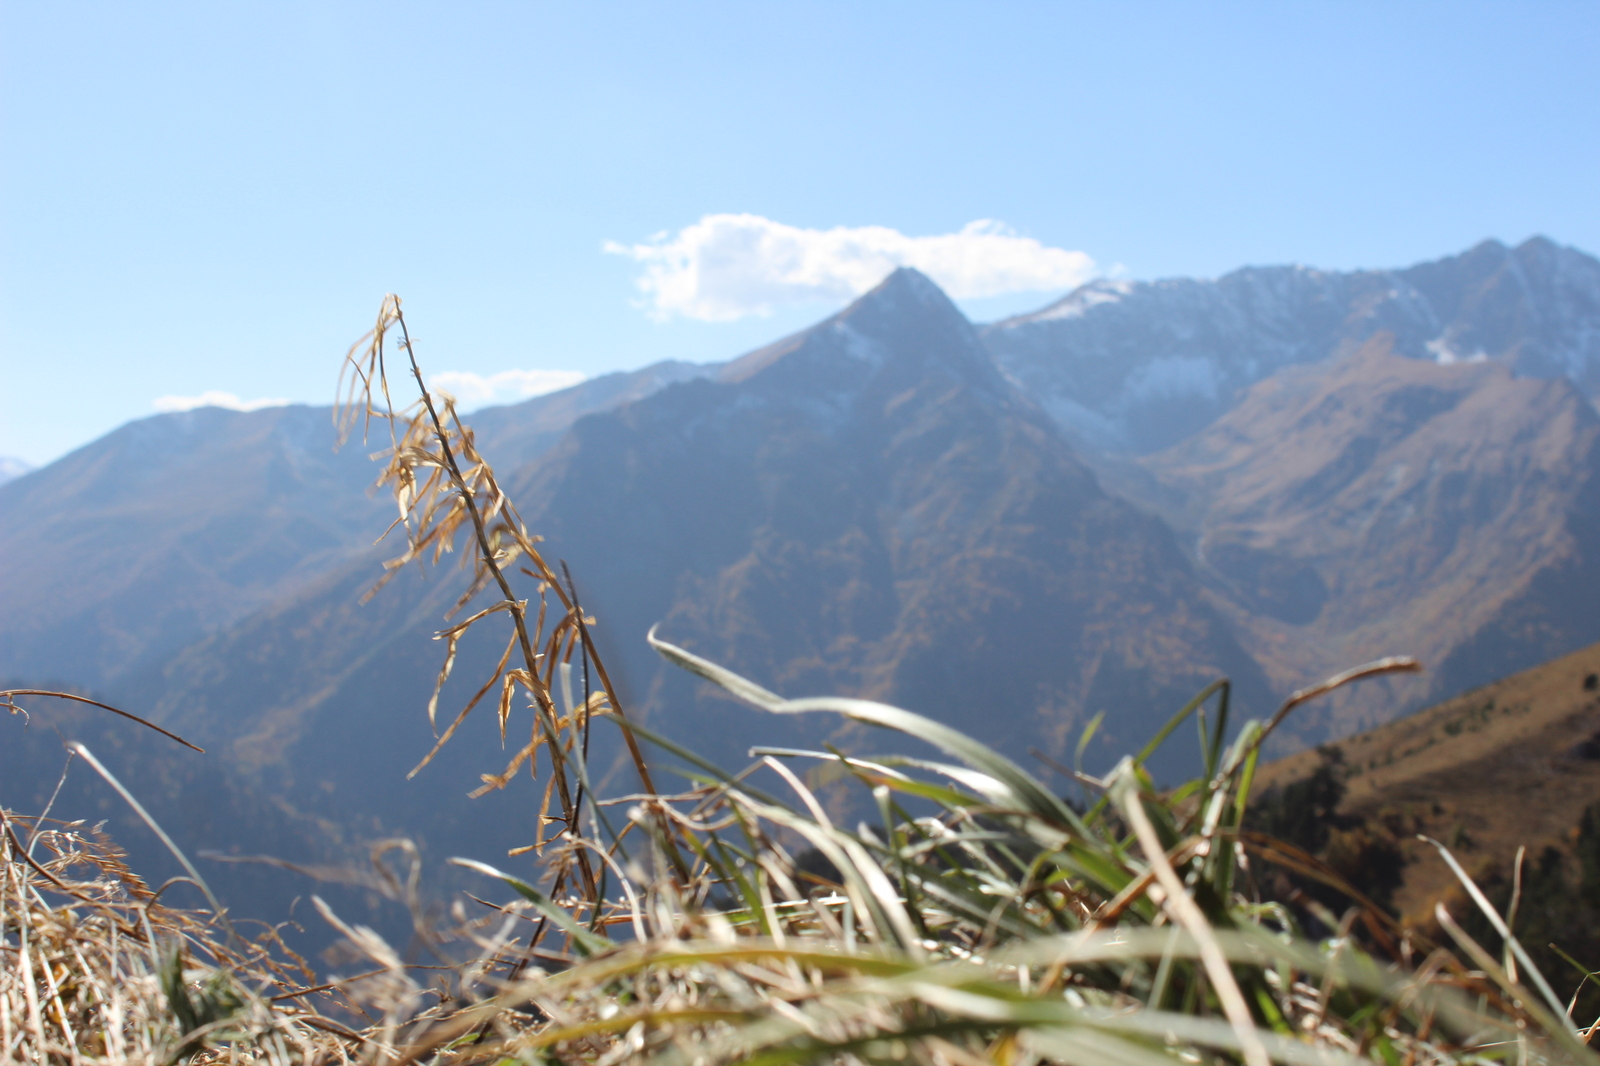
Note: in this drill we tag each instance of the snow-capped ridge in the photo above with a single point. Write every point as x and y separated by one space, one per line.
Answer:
1076 303
1155 361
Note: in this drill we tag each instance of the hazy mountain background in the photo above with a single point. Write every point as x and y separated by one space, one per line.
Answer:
1098 507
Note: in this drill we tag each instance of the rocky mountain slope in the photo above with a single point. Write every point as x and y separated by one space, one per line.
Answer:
1137 366
892 519
1377 504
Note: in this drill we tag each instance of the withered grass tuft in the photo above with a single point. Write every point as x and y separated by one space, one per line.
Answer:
977 917
95 969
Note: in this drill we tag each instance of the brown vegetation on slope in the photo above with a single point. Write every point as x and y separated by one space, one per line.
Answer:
1378 504
1512 764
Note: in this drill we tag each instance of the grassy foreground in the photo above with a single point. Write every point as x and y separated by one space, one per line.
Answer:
977 917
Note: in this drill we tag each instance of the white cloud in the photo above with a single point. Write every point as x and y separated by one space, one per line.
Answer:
211 398
728 266
508 386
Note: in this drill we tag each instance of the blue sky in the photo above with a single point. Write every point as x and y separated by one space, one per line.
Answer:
214 197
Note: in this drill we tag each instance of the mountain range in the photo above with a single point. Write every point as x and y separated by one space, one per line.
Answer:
1136 367
1092 510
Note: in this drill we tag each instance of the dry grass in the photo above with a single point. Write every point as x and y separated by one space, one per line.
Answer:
976 918
95 969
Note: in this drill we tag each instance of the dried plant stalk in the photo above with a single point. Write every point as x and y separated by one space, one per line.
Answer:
445 489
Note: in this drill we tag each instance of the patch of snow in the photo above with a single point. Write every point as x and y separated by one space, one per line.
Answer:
1445 355
1173 375
1096 428
860 346
1090 295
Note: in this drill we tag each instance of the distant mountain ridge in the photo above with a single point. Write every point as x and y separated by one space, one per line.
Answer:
1098 507
1137 366
234 509
167 528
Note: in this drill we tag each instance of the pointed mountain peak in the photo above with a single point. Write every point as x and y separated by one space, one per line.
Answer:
910 282
905 292
906 322
1489 246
